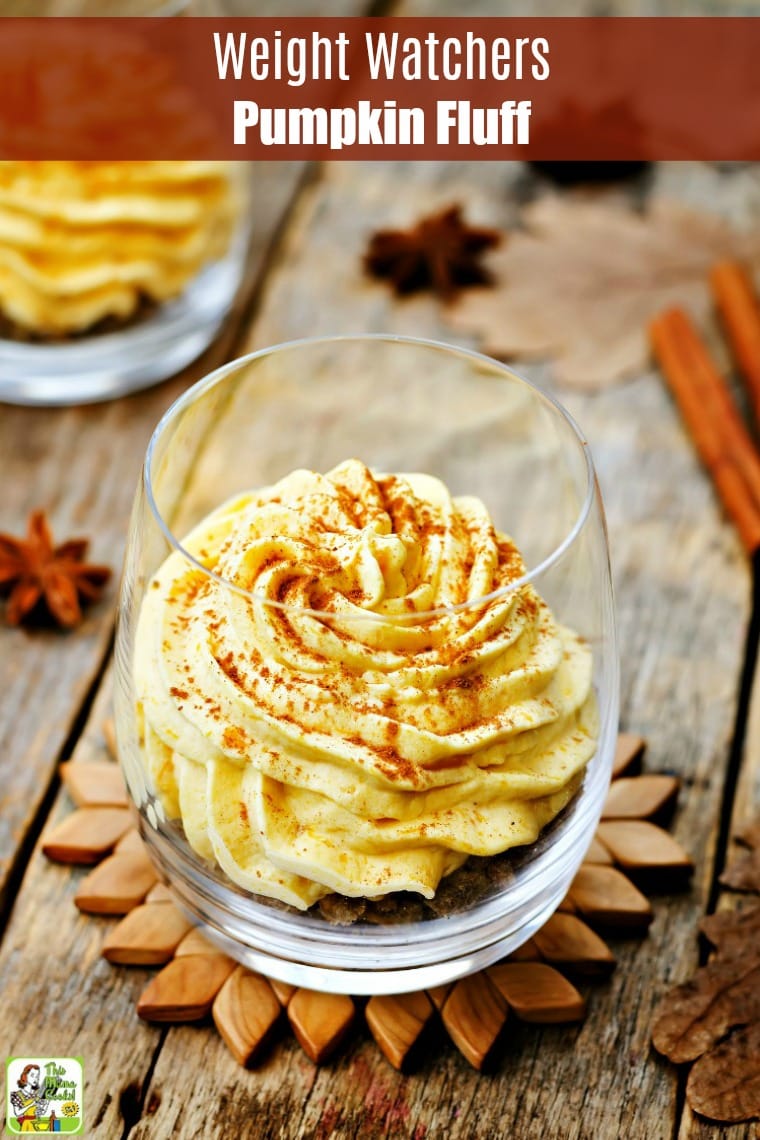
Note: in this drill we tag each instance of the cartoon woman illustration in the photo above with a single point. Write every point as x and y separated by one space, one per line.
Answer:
30 1103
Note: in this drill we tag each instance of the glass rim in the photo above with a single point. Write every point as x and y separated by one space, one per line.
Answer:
206 383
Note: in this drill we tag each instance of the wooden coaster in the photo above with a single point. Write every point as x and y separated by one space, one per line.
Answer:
130 843
398 1022
438 995
528 952
537 992
320 1021
566 941
640 797
283 991
87 835
604 895
147 936
246 1013
598 853
92 784
637 845
474 1015
198 978
159 893
117 885
195 943
185 989
628 752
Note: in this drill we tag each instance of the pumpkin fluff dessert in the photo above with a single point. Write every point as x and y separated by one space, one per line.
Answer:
381 710
84 242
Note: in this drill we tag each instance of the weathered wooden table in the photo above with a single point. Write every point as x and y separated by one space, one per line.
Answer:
684 601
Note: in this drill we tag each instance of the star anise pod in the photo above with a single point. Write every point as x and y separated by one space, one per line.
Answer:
41 578
441 252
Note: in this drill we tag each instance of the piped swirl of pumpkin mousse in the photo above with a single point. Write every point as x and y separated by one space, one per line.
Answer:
345 739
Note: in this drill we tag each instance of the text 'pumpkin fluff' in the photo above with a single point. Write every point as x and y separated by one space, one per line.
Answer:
345 739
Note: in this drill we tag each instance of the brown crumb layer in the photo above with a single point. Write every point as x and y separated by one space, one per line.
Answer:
9 330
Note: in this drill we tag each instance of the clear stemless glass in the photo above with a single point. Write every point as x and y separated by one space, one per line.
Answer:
109 360
399 405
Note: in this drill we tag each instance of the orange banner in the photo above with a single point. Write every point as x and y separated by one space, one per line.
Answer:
333 88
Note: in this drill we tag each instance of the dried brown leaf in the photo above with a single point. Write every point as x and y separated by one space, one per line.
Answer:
750 835
580 282
725 1083
743 874
732 931
692 1017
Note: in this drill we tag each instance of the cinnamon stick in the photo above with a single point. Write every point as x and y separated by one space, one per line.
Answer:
739 310
719 434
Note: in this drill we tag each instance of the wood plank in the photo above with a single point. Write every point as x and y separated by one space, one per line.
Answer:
62 459
682 590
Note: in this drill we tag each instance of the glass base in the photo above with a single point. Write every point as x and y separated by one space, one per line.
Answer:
106 365
365 983
307 951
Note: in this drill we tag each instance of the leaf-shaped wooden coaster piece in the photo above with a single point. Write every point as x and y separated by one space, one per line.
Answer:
566 941
159 894
397 1022
598 853
147 936
604 895
283 990
629 749
94 784
724 1084
537 992
638 845
194 942
320 1021
528 952
579 282
438 995
246 1012
640 797
743 874
474 1015
87 835
185 989
117 885
130 843
692 1017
